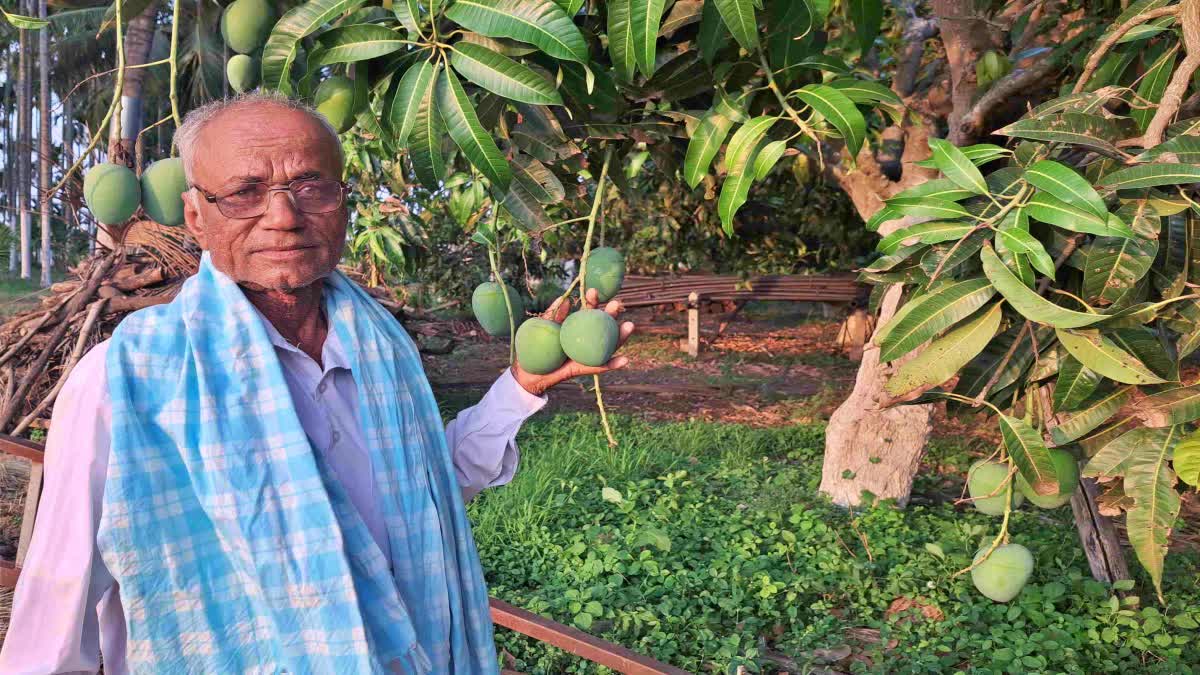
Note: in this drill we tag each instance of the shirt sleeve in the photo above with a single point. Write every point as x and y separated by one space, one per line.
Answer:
54 627
482 438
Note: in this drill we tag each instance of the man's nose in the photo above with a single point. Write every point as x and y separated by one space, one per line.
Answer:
281 212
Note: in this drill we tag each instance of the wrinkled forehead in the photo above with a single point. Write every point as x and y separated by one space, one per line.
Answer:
264 142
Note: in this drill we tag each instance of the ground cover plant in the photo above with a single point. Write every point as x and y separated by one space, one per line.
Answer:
704 545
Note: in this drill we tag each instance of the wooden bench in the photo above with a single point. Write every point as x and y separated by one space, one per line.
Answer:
690 290
539 628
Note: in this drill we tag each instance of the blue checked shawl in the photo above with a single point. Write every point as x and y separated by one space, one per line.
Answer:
233 550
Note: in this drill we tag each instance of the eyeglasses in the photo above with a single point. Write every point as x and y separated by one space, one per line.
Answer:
308 195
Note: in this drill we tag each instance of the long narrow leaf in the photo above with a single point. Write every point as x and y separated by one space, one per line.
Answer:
538 22
1098 353
838 110
645 16
503 76
425 144
933 313
1026 301
1067 185
463 124
952 162
945 356
1029 453
280 51
738 16
621 47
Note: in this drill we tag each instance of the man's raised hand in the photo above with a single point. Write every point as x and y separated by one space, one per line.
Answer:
538 384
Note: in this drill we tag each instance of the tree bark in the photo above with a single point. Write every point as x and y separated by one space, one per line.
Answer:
139 36
44 143
870 448
24 146
124 128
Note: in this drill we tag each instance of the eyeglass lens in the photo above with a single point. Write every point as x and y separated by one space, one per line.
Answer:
310 196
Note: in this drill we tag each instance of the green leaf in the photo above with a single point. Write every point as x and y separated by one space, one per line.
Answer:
538 22
1088 131
1151 175
738 16
1113 459
1098 353
416 83
1114 266
280 51
652 536
1029 453
1075 383
545 187
979 154
864 91
838 110
932 313
425 144
621 46
503 76
409 15
952 162
938 188
523 206
826 63
1026 301
27 22
1068 186
1153 84
1019 241
1091 414
980 370
945 356
739 156
645 16
790 38
866 15
1049 209
703 146
712 36
359 42
1186 150
928 207
1151 483
767 158
463 124
931 232
1187 459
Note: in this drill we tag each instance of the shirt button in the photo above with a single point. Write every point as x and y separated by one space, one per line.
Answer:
321 387
336 436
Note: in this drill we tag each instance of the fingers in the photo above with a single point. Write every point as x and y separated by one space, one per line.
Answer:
558 311
592 298
614 308
627 329
575 369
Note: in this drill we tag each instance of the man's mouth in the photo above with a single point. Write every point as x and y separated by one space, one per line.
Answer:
283 252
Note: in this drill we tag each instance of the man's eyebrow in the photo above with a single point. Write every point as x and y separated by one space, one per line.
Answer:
245 179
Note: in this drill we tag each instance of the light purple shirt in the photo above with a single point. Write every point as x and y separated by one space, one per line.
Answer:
67 609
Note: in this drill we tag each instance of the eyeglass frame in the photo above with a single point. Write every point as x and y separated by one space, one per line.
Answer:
212 198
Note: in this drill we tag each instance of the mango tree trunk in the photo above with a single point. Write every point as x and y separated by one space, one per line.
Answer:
24 147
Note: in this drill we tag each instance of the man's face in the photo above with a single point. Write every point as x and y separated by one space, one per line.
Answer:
283 249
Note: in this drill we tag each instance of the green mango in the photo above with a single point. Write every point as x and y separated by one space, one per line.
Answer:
335 100
538 348
246 24
589 336
112 193
242 72
488 304
163 185
1002 576
983 479
605 272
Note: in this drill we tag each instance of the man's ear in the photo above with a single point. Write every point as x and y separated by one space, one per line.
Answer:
191 218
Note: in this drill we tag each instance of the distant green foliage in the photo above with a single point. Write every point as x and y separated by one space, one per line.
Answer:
692 540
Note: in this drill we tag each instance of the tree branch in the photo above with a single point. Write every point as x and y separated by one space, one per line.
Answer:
972 123
1093 61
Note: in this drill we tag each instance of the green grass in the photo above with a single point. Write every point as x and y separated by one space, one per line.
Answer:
692 540
19 295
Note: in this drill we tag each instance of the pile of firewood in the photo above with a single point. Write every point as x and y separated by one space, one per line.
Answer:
39 348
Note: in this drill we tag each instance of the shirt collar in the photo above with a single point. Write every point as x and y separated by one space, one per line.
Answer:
333 353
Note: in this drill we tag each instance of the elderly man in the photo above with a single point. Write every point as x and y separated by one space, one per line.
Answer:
254 478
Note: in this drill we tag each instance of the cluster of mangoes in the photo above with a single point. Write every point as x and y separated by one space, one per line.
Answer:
245 25
113 193
1002 576
588 336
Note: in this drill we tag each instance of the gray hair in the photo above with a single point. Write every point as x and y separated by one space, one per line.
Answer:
195 121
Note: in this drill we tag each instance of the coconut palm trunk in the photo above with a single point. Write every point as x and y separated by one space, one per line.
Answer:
44 143
24 146
124 128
